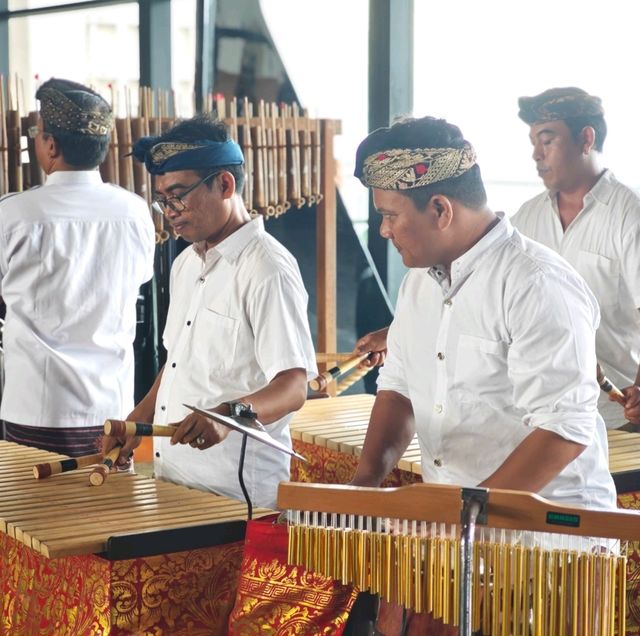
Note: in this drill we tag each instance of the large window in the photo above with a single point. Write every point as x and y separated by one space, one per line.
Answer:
323 46
474 59
183 54
98 47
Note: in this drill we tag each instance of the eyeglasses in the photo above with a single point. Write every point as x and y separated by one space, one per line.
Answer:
176 201
33 132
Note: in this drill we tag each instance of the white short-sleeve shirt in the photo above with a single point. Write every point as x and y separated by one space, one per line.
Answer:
73 254
603 244
237 317
506 347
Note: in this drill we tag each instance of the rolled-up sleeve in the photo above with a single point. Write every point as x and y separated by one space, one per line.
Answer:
552 359
392 376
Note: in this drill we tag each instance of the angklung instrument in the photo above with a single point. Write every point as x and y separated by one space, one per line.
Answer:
493 561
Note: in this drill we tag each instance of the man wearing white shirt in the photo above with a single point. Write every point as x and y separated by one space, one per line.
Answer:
73 254
491 352
237 333
591 219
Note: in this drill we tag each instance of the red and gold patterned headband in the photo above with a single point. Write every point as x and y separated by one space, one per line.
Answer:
407 168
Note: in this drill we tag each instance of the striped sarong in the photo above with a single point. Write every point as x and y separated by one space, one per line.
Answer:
73 442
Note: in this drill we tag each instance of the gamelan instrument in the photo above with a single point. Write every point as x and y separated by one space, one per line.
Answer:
493 561
64 516
331 432
251 428
83 560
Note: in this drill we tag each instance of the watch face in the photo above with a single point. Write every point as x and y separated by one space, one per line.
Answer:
239 408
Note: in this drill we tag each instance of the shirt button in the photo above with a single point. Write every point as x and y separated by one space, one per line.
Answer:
157 454
440 355
163 408
188 323
448 302
438 408
173 365
201 279
437 462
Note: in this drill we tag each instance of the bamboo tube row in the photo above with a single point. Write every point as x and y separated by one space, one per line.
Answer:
281 144
532 587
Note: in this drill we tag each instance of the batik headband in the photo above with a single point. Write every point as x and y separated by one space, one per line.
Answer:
407 168
559 103
170 156
61 113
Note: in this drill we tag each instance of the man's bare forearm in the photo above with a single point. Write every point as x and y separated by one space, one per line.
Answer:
534 462
391 429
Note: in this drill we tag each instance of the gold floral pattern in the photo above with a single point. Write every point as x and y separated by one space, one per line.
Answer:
283 600
632 501
326 466
184 593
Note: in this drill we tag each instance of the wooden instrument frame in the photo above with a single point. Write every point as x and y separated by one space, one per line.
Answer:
505 509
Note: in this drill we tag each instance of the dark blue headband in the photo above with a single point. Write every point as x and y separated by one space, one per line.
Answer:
169 156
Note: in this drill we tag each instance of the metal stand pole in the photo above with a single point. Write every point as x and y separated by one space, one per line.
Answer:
241 478
473 510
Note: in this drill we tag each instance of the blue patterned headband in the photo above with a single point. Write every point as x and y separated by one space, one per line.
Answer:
170 156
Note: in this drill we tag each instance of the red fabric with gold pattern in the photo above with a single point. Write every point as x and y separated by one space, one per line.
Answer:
51 596
632 501
183 593
326 466
283 600
189 593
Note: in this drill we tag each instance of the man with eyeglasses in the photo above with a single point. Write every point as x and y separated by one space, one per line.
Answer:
73 254
237 335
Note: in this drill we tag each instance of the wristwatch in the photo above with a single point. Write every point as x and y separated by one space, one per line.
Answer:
241 409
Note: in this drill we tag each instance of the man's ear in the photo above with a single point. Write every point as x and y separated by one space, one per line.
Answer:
588 135
52 147
443 209
227 184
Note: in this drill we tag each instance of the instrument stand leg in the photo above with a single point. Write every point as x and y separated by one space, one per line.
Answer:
243 450
473 509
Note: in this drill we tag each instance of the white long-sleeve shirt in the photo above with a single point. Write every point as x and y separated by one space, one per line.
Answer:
603 244
73 254
507 346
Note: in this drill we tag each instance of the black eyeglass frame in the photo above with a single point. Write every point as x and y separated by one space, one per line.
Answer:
175 201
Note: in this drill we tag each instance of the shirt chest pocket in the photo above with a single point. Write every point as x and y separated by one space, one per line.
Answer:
602 275
480 374
216 336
